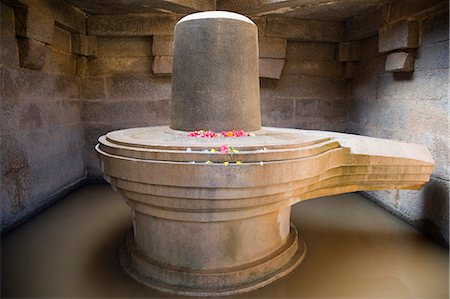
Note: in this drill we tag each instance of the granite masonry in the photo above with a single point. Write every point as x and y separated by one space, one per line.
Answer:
70 75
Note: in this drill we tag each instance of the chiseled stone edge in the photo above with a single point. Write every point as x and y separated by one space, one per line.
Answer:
279 272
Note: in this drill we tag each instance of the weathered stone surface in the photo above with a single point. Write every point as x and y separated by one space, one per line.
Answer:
32 53
6 20
430 84
369 47
9 51
435 29
349 51
31 23
403 8
86 45
162 65
81 67
127 111
305 30
23 84
131 25
124 46
93 88
432 56
399 62
120 65
62 40
400 35
310 51
270 68
59 63
138 86
162 45
67 16
349 70
312 68
277 112
310 87
365 24
234 66
272 47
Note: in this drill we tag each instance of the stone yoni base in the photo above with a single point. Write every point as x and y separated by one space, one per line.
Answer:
214 282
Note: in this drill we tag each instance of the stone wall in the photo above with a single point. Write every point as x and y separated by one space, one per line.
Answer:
409 106
41 131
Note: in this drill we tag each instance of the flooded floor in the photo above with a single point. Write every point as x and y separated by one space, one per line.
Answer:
355 250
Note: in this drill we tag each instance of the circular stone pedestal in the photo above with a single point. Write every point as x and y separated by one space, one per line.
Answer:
203 227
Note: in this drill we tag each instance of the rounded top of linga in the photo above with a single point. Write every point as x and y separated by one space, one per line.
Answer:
215 78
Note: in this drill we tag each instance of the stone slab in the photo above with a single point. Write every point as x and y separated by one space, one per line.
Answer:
32 53
400 62
400 35
270 68
365 24
305 30
272 47
162 45
162 65
130 25
32 23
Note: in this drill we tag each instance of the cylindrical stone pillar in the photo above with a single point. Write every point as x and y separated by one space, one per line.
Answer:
215 79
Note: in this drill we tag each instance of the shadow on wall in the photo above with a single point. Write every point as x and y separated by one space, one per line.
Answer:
435 202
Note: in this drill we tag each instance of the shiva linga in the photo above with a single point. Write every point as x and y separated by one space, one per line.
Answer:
211 210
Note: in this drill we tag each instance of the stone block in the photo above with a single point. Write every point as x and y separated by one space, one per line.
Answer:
272 47
162 45
270 68
366 24
32 53
81 67
260 22
59 63
124 46
305 30
349 51
312 68
64 14
310 51
62 40
138 86
369 47
400 35
86 45
93 88
31 23
131 25
400 62
162 65
120 65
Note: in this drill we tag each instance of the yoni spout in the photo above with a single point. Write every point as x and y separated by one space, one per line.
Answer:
215 82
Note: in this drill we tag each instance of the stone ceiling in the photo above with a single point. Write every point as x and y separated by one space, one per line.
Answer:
305 9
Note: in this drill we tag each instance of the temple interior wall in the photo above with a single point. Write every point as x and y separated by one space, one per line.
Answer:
95 80
412 107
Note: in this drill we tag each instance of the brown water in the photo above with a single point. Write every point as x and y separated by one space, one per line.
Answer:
355 250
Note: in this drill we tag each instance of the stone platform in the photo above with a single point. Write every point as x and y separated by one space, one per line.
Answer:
204 228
